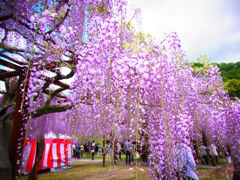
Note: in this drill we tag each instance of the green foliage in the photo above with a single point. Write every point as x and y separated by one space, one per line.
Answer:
204 59
199 67
233 88
197 64
228 70
202 65
230 73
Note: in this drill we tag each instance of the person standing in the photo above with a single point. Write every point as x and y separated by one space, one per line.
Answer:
99 149
204 155
144 154
228 154
186 165
119 149
93 149
213 154
128 147
77 152
82 150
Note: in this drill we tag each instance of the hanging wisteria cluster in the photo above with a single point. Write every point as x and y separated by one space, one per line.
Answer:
233 132
146 88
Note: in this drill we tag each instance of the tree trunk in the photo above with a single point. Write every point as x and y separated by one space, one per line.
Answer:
20 119
5 163
114 152
236 161
236 174
104 151
39 152
6 124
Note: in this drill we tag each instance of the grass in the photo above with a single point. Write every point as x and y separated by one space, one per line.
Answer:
93 170
222 172
87 156
96 156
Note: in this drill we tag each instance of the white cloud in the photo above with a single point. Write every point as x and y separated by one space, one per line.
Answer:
203 25
233 58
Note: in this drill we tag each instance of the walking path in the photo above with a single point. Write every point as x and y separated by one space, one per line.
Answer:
86 160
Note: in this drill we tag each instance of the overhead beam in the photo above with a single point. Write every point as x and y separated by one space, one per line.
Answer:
3 92
57 95
11 59
8 64
57 82
9 74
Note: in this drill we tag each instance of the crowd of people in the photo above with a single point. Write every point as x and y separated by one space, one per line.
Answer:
91 148
130 149
209 154
185 158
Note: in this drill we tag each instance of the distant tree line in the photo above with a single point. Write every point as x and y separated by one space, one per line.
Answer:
230 73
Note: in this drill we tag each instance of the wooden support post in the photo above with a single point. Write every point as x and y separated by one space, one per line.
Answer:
21 117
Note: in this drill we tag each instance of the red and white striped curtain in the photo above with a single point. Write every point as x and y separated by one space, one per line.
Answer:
57 153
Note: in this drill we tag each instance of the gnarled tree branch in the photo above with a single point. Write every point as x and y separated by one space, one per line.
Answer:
50 109
53 94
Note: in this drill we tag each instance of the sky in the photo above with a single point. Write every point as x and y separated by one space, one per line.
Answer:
205 27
